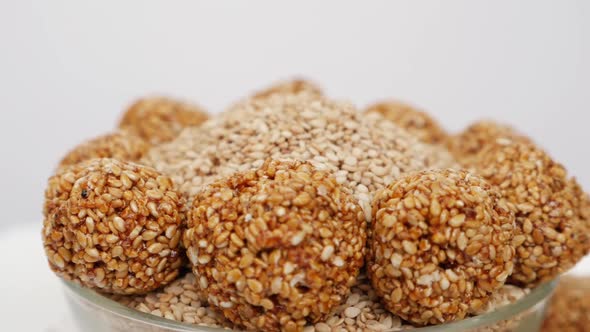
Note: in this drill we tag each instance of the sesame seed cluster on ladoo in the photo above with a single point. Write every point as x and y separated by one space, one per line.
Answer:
275 247
441 244
118 145
113 226
160 119
415 121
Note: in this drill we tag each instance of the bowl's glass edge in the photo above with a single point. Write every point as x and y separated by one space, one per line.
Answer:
506 312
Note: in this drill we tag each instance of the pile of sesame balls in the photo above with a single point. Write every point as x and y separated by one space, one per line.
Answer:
277 207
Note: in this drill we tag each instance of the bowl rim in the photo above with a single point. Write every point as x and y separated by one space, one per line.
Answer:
536 296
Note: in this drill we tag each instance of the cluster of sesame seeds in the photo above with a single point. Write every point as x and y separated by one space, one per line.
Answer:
362 151
569 309
118 145
361 311
552 229
441 243
294 86
113 226
416 122
178 301
275 247
160 119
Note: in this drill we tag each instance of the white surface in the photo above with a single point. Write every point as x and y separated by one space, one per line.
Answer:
68 68
32 298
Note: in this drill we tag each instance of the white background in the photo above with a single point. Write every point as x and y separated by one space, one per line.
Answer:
68 69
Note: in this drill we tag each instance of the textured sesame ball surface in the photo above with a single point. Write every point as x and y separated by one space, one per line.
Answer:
440 245
295 86
119 145
160 119
113 226
415 121
277 247
552 221
466 145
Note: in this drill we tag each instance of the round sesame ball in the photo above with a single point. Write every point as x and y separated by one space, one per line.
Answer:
160 119
276 247
295 86
415 121
113 226
118 145
550 208
440 245
466 145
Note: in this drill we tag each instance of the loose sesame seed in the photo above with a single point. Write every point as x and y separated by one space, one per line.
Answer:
327 253
119 223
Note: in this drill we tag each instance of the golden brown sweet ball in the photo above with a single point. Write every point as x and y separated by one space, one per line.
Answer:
415 121
118 145
466 145
113 226
569 309
549 209
295 86
277 247
159 119
440 246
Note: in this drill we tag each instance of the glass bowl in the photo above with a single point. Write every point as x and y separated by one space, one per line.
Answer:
94 312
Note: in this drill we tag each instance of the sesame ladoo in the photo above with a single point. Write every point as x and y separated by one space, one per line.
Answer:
160 119
113 226
415 121
275 247
441 245
118 145
467 145
552 233
294 86
362 151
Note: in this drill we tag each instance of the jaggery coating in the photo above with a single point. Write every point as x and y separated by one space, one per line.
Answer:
440 246
294 86
466 145
113 226
569 308
277 247
552 224
415 121
118 145
159 119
